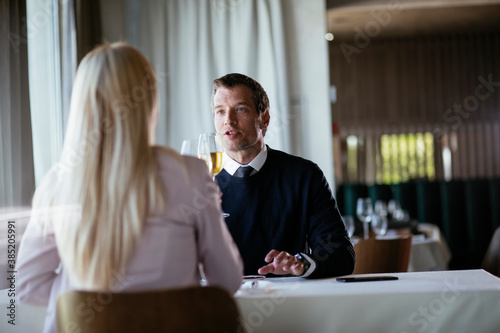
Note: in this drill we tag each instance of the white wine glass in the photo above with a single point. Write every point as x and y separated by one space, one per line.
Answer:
209 148
192 148
379 224
349 225
189 148
380 208
364 212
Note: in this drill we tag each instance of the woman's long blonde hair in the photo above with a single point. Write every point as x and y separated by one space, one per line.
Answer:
108 168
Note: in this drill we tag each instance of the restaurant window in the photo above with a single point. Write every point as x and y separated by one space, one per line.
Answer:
352 156
405 157
394 158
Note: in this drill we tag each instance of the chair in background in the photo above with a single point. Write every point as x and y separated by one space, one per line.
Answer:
491 261
454 219
382 255
191 309
479 222
494 200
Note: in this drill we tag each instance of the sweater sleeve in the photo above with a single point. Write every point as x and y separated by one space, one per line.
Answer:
328 240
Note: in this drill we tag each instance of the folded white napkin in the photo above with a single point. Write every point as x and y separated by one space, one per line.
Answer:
254 287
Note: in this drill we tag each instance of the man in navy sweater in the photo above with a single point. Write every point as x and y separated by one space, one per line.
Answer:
282 214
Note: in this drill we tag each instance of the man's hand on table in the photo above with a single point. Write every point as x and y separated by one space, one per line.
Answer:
280 263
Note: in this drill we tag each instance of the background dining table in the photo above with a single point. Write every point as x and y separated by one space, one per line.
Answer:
429 250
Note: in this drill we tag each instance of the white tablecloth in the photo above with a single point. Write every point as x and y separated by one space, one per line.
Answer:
421 302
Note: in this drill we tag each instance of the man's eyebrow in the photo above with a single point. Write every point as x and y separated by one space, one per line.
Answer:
237 103
243 103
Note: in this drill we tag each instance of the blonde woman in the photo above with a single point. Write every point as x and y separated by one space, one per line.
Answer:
117 213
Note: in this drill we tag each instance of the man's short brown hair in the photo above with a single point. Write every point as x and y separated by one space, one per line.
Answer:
259 95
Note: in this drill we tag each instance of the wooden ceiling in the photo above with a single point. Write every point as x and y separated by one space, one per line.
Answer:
400 18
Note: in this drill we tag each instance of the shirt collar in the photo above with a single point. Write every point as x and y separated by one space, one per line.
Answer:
231 165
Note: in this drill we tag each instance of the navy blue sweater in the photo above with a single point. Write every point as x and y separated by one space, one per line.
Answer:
287 206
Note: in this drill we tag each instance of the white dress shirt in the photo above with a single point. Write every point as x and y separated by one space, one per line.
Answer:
231 165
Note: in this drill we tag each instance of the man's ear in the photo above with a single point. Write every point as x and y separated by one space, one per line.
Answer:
264 120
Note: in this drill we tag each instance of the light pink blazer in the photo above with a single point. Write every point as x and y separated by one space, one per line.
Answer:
190 232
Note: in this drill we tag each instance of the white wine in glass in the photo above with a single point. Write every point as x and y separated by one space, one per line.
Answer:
209 148
216 158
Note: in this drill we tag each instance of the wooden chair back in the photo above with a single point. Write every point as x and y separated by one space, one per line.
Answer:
192 309
382 255
491 260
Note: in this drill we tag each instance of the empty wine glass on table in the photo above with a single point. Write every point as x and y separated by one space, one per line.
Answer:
349 225
379 224
380 208
364 211
380 221
395 210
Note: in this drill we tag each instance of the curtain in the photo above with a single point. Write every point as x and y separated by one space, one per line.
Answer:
193 42
16 150
280 43
52 64
88 26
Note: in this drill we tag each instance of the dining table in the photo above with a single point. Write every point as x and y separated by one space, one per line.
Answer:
421 302
429 249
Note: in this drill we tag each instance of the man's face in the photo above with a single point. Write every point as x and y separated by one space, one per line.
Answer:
237 120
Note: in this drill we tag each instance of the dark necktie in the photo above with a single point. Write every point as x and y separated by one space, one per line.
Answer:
243 171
